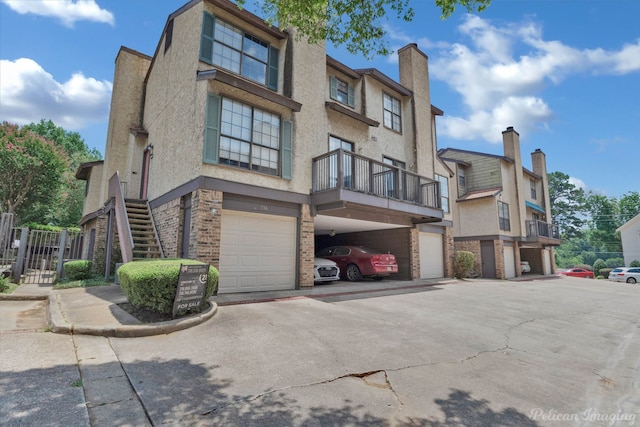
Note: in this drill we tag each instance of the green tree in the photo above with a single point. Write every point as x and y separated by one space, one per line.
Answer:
567 205
629 206
31 170
603 222
66 211
355 23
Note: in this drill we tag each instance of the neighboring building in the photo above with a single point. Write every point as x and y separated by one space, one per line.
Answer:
502 212
252 150
630 236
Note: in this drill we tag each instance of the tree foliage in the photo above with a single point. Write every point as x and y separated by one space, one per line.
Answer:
588 222
32 169
357 24
567 202
66 210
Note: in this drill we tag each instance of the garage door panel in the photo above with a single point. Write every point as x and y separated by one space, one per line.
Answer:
258 252
509 262
431 256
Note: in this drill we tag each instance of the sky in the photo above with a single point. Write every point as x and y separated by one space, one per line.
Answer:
564 73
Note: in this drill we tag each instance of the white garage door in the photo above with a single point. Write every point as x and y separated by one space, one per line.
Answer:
547 261
431 256
509 262
257 252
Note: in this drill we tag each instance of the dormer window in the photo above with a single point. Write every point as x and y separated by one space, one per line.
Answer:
342 92
228 47
392 115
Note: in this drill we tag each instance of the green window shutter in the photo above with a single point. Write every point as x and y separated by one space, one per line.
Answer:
212 129
274 55
287 152
334 88
206 37
351 99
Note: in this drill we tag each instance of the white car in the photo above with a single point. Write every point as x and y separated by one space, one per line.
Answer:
325 270
625 274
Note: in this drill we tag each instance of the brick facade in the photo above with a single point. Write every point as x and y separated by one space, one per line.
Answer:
307 248
206 226
168 224
414 252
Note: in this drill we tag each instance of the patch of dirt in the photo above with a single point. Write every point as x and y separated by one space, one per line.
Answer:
149 316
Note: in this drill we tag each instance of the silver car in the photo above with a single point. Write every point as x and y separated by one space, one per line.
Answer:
625 274
325 270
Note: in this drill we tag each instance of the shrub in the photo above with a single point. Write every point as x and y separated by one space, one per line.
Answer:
604 272
635 263
77 269
4 283
152 284
615 262
598 265
585 266
463 264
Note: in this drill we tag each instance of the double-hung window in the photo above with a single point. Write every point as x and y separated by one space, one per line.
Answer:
228 47
342 92
444 192
392 113
534 193
247 137
503 216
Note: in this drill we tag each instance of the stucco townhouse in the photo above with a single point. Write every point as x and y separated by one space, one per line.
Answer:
502 210
252 150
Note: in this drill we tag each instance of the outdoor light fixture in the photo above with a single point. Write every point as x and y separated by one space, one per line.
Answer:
332 233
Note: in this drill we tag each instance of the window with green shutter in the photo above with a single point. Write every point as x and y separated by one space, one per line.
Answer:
229 47
342 92
247 137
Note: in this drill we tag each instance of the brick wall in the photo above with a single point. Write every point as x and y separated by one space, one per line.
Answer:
414 253
449 252
498 250
206 224
307 248
168 219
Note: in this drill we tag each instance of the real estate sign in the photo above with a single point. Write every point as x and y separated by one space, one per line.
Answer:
192 283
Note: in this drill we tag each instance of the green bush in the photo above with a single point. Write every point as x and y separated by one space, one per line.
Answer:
615 262
598 265
152 284
4 283
604 272
635 263
463 264
77 269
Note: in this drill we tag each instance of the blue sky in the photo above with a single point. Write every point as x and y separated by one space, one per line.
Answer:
564 73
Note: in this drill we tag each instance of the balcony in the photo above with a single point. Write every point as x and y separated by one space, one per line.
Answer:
341 177
542 232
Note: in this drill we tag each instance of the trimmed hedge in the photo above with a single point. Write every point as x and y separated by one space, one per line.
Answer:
152 284
77 269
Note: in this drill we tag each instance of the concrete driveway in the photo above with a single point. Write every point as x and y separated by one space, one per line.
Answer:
556 352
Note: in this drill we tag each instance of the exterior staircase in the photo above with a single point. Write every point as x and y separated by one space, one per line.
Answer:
143 231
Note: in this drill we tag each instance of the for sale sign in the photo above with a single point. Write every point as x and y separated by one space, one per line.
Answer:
192 284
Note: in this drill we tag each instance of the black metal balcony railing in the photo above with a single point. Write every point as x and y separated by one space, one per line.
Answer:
539 229
341 169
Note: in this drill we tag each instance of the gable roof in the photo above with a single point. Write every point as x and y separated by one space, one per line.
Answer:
633 221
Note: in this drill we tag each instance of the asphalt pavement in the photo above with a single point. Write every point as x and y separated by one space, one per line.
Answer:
544 351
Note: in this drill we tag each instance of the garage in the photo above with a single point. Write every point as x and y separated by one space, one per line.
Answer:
257 252
431 256
509 261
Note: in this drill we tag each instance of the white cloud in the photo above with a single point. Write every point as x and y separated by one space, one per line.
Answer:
500 73
28 94
67 11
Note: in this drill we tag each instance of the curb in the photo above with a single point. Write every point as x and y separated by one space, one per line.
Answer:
60 325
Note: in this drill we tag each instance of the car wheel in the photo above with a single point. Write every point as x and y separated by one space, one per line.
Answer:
632 280
353 273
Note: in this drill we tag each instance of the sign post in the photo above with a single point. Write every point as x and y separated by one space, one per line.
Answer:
192 285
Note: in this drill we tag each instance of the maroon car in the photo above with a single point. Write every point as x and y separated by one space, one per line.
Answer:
356 262
578 272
